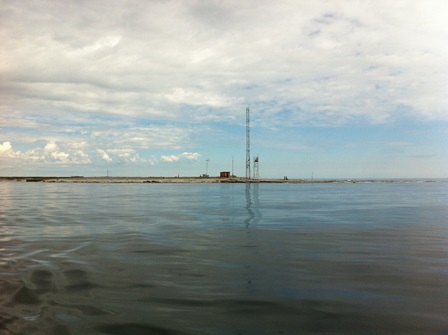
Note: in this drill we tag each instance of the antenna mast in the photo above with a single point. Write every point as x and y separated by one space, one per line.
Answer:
247 144
206 167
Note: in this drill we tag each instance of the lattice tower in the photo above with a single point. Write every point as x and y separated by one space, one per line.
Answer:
256 167
247 144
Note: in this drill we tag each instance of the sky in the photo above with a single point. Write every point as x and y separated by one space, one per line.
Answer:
336 89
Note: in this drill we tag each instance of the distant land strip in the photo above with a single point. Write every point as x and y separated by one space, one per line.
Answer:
81 179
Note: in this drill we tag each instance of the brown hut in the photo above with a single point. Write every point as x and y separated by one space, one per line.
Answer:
224 174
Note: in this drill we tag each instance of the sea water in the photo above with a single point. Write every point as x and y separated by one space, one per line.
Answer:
336 258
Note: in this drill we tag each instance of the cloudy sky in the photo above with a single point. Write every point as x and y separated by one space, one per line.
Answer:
337 88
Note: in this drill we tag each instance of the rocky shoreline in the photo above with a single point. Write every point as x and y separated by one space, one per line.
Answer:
179 180
80 179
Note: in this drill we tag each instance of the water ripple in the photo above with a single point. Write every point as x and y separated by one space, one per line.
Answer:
223 259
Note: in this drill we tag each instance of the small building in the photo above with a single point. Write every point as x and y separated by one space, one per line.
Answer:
224 174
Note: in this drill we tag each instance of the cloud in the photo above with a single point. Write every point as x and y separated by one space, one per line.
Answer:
190 155
131 80
104 155
170 159
185 155
5 148
325 64
6 151
50 153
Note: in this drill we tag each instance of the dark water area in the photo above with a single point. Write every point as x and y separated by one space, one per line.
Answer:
140 259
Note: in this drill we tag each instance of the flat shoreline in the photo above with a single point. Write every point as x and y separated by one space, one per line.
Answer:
199 180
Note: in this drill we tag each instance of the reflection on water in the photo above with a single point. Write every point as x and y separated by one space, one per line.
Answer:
223 259
253 208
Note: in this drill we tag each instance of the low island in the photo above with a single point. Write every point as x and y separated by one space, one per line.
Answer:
82 179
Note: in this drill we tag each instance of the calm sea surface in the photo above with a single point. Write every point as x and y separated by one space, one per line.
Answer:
223 258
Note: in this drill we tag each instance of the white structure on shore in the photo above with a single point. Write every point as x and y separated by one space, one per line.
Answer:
256 167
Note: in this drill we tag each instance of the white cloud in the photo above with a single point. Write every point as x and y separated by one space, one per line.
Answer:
104 155
5 148
126 155
170 159
139 76
52 152
80 157
326 62
197 97
6 151
190 155
50 148
185 155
